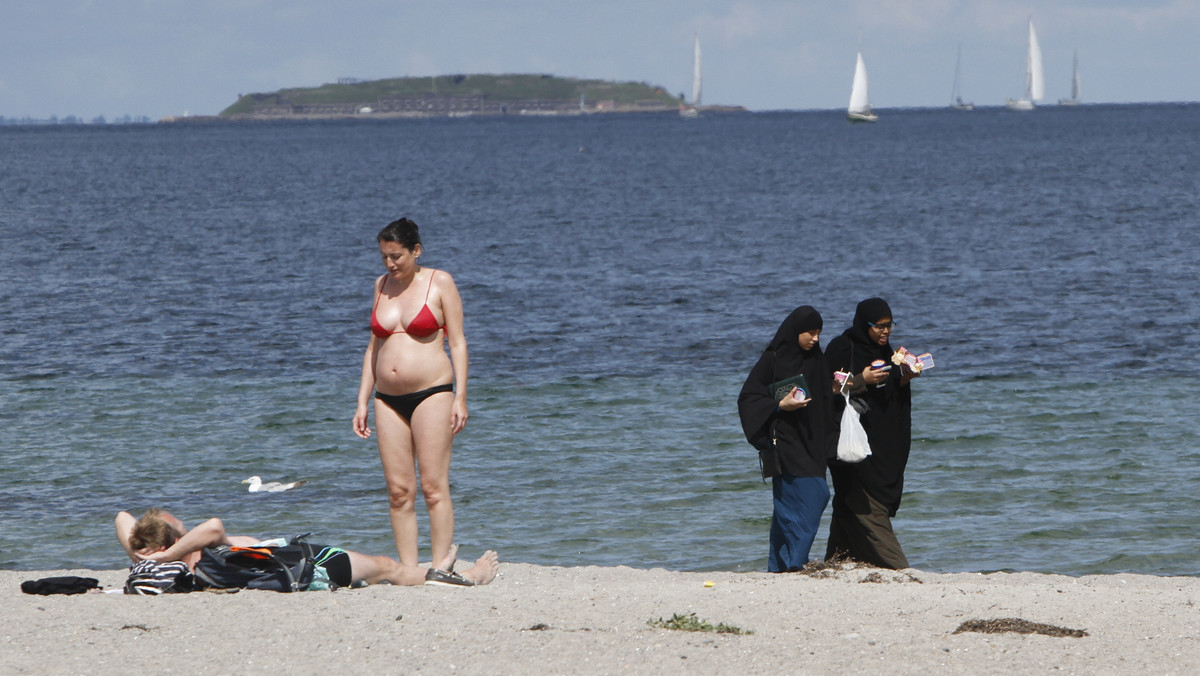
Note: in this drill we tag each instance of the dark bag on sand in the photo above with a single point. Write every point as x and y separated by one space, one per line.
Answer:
283 569
67 584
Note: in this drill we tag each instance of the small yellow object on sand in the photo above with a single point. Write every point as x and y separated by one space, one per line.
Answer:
709 583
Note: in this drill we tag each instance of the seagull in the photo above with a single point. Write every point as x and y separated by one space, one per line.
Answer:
257 485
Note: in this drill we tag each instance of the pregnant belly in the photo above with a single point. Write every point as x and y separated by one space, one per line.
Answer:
404 365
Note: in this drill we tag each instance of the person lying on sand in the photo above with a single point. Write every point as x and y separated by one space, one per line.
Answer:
160 536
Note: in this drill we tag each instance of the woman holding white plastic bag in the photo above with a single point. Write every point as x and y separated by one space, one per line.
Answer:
794 434
867 493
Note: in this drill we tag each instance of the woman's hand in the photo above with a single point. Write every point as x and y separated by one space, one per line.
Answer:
874 376
360 422
458 416
791 403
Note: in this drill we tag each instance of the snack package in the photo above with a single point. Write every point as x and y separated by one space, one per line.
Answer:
842 378
911 363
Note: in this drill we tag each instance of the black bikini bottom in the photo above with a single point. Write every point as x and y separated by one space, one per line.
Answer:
405 404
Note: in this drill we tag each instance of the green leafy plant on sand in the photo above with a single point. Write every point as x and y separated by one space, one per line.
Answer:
690 622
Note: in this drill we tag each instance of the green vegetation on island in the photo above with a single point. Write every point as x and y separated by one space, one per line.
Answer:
451 95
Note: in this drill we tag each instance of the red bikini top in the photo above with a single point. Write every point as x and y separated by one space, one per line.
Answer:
424 324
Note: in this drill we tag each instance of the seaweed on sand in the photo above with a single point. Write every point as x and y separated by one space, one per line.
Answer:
1019 626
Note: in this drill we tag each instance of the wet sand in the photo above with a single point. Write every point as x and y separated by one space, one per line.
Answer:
549 620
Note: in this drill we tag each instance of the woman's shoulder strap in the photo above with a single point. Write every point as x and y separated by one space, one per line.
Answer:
432 273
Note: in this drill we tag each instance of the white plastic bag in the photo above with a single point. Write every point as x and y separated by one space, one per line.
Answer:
852 444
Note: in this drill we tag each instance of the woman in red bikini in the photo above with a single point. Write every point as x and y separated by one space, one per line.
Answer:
420 392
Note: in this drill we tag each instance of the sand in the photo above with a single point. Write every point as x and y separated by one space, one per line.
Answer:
590 620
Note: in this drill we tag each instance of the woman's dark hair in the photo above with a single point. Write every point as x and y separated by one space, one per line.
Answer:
403 232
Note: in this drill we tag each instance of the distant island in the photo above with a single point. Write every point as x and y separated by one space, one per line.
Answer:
456 96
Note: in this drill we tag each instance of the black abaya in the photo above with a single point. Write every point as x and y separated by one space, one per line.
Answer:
888 420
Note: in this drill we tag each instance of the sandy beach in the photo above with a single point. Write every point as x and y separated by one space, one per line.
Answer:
591 620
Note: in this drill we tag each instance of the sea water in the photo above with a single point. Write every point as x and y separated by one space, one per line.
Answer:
184 306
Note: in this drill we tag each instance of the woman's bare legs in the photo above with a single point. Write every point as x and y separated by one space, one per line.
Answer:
430 434
400 474
433 439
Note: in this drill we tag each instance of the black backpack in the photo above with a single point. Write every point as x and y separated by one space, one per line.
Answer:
283 569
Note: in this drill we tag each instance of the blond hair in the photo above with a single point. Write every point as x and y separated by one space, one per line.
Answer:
153 532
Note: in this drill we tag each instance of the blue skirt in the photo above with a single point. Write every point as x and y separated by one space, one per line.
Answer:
798 504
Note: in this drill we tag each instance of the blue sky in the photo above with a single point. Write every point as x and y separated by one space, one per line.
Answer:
168 57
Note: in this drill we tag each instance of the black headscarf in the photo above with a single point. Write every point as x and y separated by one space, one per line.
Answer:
868 312
786 343
805 435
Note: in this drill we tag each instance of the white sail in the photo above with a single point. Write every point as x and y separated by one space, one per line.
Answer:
956 101
1035 79
1035 82
860 100
1075 84
696 79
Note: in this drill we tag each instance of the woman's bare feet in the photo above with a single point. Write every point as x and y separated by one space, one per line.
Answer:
447 564
485 568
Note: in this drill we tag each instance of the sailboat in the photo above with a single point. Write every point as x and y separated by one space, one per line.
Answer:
860 101
1074 100
693 110
956 101
1035 81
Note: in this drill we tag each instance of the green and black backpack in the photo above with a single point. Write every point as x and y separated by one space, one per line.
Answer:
283 569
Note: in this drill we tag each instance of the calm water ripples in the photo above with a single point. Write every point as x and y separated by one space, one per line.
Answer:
185 306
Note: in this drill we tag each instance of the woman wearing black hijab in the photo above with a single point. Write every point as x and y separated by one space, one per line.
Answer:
799 432
867 494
